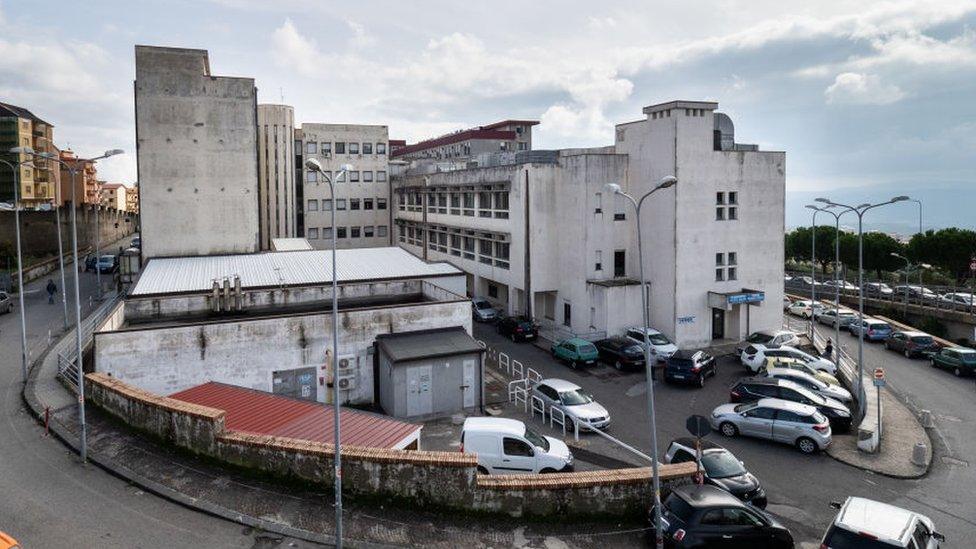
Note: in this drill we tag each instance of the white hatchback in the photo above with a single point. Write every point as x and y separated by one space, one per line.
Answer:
661 346
805 308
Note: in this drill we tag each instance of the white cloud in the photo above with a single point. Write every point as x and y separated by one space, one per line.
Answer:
862 89
294 50
360 37
601 23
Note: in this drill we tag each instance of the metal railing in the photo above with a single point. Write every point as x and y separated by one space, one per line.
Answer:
895 298
67 349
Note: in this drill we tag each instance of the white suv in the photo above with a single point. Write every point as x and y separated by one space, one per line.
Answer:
508 446
869 524
661 346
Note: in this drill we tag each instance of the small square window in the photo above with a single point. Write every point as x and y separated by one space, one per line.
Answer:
367 148
733 197
311 147
353 203
340 204
619 216
719 214
311 177
354 232
313 234
313 206
720 198
353 176
340 232
367 177
733 214
354 148
367 203
326 148
340 147
368 231
327 233
719 259
326 204
732 258
381 148
381 176
732 273
380 203
719 275
381 230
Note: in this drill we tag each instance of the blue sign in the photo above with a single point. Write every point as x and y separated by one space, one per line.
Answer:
757 297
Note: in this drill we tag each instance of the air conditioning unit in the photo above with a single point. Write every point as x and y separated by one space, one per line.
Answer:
348 366
347 383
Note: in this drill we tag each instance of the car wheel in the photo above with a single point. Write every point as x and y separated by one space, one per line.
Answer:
618 365
514 339
728 429
908 354
573 364
957 371
701 381
806 445
482 470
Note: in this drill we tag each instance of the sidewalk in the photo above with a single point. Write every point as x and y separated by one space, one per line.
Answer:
298 510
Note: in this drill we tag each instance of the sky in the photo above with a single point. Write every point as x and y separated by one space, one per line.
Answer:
867 98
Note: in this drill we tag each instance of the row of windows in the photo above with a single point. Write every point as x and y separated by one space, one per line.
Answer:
350 177
726 206
725 266
483 250
469 203
367 231
353 203
341 147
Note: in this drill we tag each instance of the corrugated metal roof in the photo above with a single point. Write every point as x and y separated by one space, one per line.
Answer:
405 346
167 275
290 244
253 411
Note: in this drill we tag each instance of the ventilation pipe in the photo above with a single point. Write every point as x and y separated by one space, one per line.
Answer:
226 304
215 297
238 295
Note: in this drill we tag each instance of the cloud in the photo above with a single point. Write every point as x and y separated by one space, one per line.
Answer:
292 49
601 23
862 89
360 37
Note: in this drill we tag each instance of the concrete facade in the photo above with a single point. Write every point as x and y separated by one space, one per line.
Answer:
38 186
276 173
196 135
85 180
114 196
363 214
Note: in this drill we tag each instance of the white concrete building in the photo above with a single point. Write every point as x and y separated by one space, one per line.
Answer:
276 173
542 225
363 216
196 140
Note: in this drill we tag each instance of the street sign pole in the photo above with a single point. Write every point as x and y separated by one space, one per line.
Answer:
879 382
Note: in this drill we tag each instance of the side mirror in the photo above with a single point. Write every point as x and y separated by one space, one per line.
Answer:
835 505
937 536
742 463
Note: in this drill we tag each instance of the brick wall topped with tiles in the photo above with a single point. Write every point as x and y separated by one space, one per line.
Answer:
448 479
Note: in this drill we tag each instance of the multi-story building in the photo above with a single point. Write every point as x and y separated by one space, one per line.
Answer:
132 199
276 173
196 135
113 195
536 232
85 180
39 183
504 136
363 217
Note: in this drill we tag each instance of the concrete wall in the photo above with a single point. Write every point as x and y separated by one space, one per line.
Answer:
447 479
39 236
197 156
276 173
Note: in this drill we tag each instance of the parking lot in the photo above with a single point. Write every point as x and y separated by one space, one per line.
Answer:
799 487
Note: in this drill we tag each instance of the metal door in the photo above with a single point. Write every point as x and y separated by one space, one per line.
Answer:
468 388
718 323
297 383
419 396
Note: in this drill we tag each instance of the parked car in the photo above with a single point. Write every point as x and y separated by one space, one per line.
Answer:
877 289
518 328
483 311
689 367
6 302
959 360
862 523
707 516
620 352
508 446
844 285
874 330
834 318
720 468
8 542
786 303
770 338
805 308
751 389
959 300
911 344
577 404
576 352
108 264
799 364
916 294
754 356
661 346
811 384
774 419
805 281
136 242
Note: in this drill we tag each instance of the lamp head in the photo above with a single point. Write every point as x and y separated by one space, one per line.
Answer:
313 165
113 152
22 150
900 199
612 188
48 155
823 200
812 207
667 181
865 205
346 167
925 265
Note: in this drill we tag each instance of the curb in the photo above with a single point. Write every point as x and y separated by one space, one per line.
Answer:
120 471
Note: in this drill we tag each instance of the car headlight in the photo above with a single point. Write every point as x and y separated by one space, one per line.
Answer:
843 413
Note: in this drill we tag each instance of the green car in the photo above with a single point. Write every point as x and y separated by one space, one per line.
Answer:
960 360
576 352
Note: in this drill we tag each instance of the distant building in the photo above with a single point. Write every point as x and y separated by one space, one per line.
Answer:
132 199
20 127
196 136
85 180
113 195
362 198
276 173
504 136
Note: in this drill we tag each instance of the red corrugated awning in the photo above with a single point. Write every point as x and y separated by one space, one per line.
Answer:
258 412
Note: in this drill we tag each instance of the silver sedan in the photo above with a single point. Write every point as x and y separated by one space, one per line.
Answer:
774 419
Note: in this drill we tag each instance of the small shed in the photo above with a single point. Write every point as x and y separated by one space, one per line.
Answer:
429 373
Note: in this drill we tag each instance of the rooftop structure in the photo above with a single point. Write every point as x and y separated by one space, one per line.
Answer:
507 135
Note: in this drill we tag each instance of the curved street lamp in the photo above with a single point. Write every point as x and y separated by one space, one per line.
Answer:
836 274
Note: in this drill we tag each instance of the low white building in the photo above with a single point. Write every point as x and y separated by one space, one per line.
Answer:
541 224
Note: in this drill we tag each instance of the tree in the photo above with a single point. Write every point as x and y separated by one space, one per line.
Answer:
799 244
948 249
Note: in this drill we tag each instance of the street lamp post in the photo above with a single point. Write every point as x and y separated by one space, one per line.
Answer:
908 265
613 188
860 210
813 269
836 277
57 221
919 202
315 166
15 168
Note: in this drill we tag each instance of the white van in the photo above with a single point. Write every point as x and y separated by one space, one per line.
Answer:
507 446
869 524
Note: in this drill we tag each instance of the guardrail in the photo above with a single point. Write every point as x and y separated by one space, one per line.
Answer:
894 299
67 351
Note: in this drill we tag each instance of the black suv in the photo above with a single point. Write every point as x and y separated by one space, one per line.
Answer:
689 367
751 389
706 516
720 468
518 328
620 352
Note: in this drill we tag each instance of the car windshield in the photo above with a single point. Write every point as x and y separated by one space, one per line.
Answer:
588 348
536 439
658 339
968 357
922 340
722 465
838 538
575 398
106 258
482 304
744 408
759 337
879 326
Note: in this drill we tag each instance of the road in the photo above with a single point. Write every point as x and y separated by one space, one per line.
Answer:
800 488
49 499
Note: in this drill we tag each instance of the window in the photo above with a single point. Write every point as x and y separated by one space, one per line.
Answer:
599 260
719 259
367 203
380 176
340 204
327 233
353 176
599 203
484 251
326 147
719 275
455 203
501 204
516 447
313 234
733 215
732 258
719 214
381 148
313 206
522 145
353 148
720 198
311 147
340 147
733 197
455 244
380 203
468 203
311 177
567 314
327 205
501 254
354 232
340 232
367 177
732 274
762 413
353 203
492 290
618 210
484 204
381 230
368 231
468 247
619 263
367 148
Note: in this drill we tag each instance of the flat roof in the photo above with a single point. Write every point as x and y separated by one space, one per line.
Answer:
258 412
290 244
171 275
406 346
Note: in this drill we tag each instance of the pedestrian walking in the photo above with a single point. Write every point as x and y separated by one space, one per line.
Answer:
829 349
52 289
